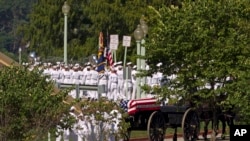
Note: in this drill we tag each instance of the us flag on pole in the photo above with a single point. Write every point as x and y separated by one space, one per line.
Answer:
109 57
108 54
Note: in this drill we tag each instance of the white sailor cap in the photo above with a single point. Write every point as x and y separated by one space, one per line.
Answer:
58 63
88 63
159 64
72 108
134 66
80 115
119 63
129 63
103 95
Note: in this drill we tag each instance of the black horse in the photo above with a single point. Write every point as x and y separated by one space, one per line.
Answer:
225 116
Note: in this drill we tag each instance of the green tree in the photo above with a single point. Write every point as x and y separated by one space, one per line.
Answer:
29 108
204 42
85 20
13 13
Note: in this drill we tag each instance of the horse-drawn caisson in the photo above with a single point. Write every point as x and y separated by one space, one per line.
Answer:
153 116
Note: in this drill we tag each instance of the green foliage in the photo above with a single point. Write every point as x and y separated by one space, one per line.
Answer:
13 13
86 19
204 42
28 109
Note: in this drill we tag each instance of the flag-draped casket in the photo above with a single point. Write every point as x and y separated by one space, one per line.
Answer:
145 104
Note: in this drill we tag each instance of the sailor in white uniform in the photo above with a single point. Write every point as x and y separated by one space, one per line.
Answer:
75 78
87 80
120 81
116 117
103 80
55 76
66 76
83 129
133 74
113 84
94 80
128 84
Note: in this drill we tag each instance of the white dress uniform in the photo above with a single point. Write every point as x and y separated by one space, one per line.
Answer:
83 129
120 79
46 72
128 88
66 76
103 80
155 80
55 75
83 93
94 81
133 74
116 119
87 80
75 78
113 84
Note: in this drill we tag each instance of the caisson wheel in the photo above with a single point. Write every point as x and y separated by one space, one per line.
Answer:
190 125
156 127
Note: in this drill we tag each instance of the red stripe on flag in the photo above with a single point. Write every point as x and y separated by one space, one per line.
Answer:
110 58
146 104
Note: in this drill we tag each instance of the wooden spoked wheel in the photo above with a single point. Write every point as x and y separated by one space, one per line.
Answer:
156 127
190 125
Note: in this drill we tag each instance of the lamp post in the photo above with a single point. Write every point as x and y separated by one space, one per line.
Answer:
138 34
65 10
144 28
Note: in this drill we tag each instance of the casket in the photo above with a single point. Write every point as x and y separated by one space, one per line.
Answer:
145 104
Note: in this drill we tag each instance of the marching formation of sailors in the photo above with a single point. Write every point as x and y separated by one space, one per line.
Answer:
116 86
88 128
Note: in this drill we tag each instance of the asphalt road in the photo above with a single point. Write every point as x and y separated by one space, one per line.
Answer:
200 138
181 139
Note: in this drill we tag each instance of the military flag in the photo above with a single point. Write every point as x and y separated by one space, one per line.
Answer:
101 58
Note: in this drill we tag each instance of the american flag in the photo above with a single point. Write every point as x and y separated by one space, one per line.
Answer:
108 53
110 58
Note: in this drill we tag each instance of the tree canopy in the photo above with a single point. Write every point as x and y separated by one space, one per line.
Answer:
206 43
29 109
85 20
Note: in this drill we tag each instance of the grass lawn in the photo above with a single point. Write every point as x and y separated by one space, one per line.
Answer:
170 131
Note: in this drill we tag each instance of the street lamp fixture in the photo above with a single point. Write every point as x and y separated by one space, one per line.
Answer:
138 34
65 10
